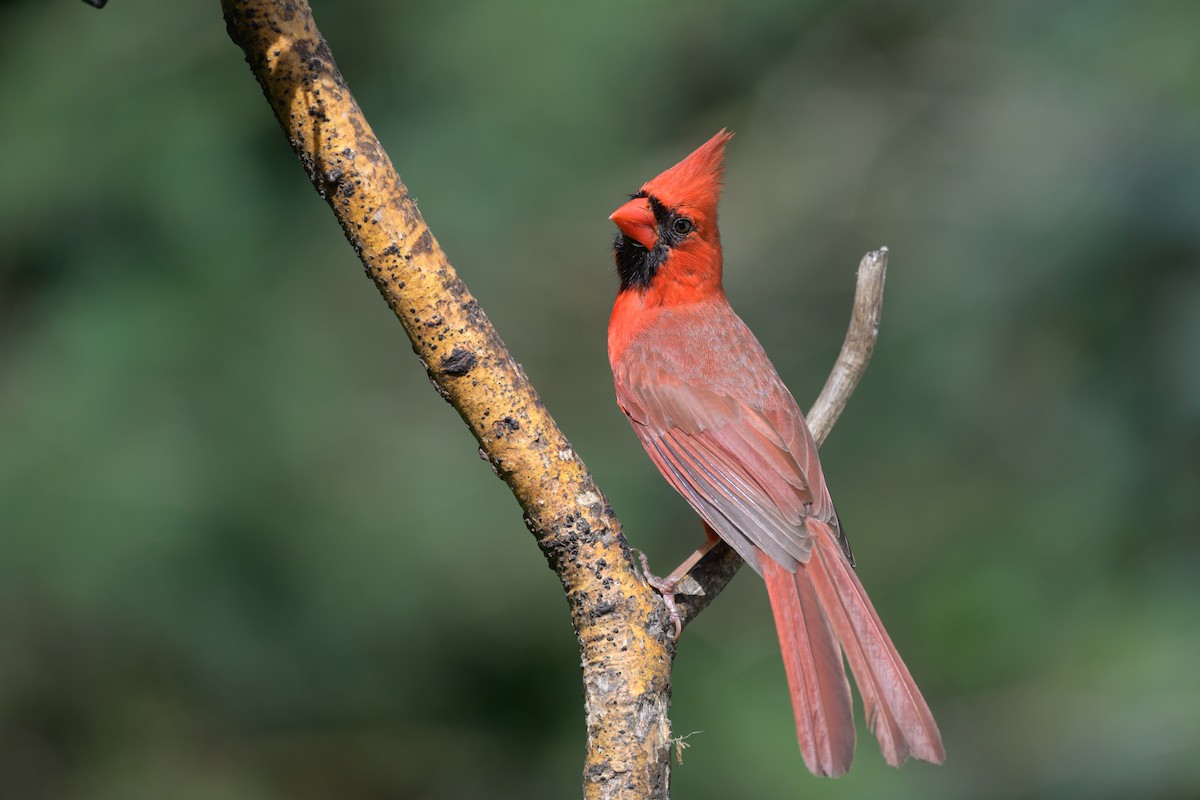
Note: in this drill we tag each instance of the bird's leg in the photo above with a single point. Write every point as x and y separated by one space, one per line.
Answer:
666 586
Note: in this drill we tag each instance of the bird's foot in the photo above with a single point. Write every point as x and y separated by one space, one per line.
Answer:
666 588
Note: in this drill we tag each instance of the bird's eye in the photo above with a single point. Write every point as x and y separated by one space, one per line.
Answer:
682 226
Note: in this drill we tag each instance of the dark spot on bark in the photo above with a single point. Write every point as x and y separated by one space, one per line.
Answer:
509 423
393 250
458 362
601 609
599 772
330 182
347 154
424 245
474 313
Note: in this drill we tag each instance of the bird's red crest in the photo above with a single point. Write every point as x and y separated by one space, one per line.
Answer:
695 182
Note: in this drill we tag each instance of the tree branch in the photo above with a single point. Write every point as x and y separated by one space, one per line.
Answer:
618 620
719 565
621 625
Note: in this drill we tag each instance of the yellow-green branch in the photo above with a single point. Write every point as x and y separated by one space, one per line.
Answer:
626 657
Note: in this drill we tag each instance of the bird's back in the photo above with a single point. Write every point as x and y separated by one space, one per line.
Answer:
707 345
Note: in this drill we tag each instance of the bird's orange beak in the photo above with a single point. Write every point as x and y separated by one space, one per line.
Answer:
636 220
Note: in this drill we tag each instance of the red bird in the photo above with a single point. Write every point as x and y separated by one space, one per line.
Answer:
721 427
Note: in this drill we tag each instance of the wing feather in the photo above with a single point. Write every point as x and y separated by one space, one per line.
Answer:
731 462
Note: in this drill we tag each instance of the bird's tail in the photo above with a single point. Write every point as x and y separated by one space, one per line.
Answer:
818 608
816 677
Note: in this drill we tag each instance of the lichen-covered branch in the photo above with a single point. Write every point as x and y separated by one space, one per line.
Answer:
624 636
625 653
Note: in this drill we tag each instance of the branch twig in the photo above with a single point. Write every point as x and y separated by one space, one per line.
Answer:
621 624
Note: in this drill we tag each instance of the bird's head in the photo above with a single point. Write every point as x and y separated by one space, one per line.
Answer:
669 228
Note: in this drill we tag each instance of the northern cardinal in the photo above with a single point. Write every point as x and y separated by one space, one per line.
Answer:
721 427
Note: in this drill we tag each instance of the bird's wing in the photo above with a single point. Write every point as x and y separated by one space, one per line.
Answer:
745 471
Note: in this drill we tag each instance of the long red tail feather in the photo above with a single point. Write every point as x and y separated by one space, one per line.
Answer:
896 712
816 677
820 607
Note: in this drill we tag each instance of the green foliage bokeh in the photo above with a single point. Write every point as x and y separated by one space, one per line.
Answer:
246 552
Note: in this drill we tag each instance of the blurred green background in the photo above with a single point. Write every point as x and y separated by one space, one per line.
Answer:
246 552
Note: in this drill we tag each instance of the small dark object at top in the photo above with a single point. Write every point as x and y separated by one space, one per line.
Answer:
96 3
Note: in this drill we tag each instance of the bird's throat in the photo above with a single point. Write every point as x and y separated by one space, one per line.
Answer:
636 265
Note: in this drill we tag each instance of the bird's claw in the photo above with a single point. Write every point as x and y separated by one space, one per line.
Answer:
666 588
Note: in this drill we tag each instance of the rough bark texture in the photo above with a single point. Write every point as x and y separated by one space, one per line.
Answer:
625 647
